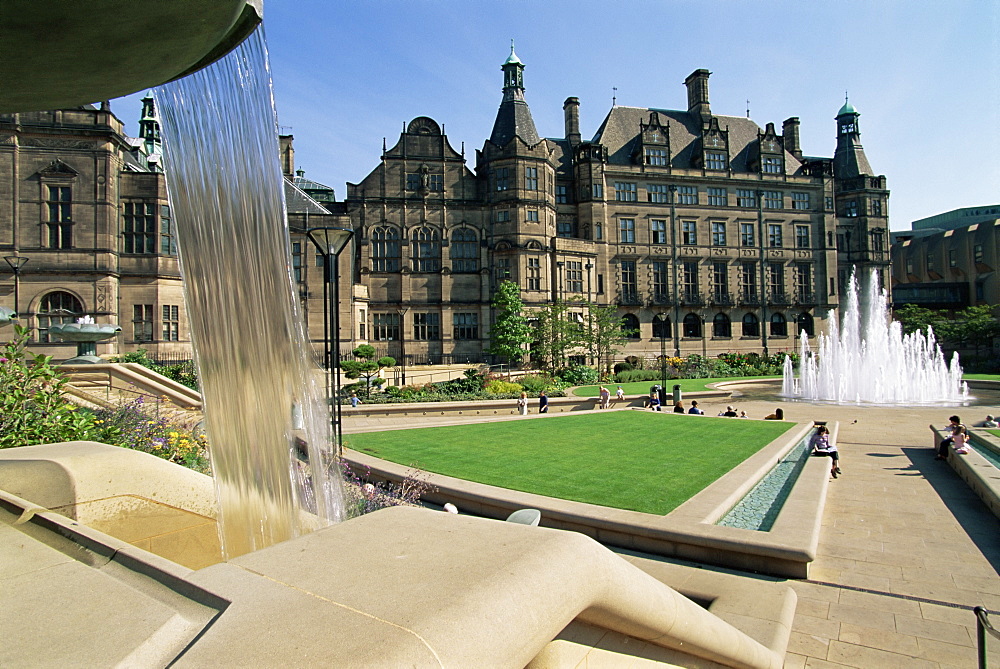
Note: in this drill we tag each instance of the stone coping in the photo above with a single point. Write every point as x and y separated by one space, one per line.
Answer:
689 532
483 408
978 472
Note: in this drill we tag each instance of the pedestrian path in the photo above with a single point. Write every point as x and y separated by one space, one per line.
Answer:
906 550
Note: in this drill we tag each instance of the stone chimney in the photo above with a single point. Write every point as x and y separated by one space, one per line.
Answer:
287 154
790 133
697 87
571 114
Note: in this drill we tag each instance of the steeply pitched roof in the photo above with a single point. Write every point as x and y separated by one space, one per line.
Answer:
514 120
620 135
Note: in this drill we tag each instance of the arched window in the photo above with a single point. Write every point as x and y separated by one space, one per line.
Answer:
779 327
804 323
55 309
751 326
721 327
426 250
630 326
692 325
464 251
385 249
661 327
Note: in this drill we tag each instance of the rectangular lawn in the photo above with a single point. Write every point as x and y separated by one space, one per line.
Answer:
648 462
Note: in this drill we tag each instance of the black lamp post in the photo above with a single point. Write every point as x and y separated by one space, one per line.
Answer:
16 263
663 350
330 242
402 342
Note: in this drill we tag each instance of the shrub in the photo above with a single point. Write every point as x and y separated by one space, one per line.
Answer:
580 375
362 496
623 367
498 387
633 375
635 361
536 383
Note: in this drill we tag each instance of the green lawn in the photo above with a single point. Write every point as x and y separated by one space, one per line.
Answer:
649 462
982 377
642 387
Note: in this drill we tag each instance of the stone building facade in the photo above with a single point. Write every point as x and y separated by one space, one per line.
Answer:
705 231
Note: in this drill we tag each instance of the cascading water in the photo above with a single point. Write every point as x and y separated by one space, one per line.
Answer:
263 406
868 359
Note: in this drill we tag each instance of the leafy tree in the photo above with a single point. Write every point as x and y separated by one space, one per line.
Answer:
975 326
510 331
913 318
605 335
556 334
367 367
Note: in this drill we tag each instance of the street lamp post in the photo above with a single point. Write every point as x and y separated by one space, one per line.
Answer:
330 242
402 342
763 271
663 350
16 263
673 266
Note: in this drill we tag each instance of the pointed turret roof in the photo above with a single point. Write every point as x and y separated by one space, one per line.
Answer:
514 116
849 159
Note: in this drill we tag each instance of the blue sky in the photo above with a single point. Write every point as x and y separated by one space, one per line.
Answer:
924 75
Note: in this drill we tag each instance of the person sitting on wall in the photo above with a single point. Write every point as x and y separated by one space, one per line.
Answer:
654 401
728 413
820 444
958 438
694 409
990 422
678 407
743 414
778 414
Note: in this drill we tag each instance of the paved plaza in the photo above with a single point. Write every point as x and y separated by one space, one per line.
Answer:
906 549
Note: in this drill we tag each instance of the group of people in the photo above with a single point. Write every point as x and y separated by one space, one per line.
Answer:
958 438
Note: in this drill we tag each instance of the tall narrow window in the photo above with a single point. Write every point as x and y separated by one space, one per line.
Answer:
426 250
297 261
531 178
779 326
168 238
385 249
171 322
534 274
140 227
562 194
658 231
574 276
690 279
630 286
427 326
661 295
464 251
692 325
718 233
55 309
721 327
466 326
802 236
627 228
776 281
774 238
748 282
60 219
751 326
803 282
689 236
746 234
501 178
504 269
720 282
142 322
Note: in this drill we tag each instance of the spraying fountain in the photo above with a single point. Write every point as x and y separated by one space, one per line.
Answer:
866 358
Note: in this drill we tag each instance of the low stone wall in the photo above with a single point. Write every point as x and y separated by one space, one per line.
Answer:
689 532
978 472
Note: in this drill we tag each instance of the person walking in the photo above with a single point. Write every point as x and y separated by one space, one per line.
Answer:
522 404
354 400
605 398
821 446
543 403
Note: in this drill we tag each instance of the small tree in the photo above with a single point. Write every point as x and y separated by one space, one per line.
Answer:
912 318
606 335
975 326
367 367
557 334
510 331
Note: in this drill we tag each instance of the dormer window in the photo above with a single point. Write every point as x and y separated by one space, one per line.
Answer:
771 165
656 156
715 160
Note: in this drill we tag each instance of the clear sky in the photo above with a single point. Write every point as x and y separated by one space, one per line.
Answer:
924 75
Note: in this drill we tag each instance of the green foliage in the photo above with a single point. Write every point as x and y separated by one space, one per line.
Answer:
510 331
366 368
557 334
32 408
606 336
635 375
913 318
472 381
579 375
536 383
184 373
499 387
973 327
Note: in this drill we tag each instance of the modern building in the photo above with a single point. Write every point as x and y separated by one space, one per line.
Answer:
948 261
704 230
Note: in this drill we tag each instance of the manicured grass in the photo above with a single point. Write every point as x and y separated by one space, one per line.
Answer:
649 462
642 387
982 377
995 433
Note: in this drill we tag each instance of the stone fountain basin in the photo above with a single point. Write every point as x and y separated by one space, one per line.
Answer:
84 332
